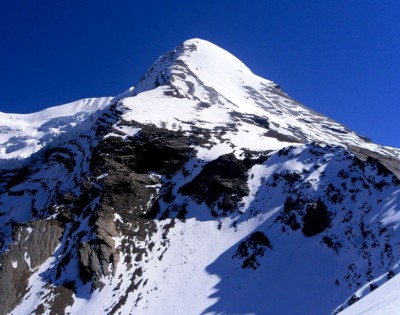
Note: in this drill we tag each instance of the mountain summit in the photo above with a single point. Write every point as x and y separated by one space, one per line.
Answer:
204 189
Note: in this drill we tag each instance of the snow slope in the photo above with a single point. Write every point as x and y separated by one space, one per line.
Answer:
21 135
383 301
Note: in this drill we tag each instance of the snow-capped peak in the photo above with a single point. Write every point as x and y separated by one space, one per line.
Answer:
200 85
204 59
195 85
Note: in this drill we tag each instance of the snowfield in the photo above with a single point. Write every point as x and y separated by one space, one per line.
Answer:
383 301
24 134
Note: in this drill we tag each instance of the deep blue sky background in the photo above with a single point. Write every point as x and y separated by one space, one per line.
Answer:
341 58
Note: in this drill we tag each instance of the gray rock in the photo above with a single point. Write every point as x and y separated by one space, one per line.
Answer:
33 244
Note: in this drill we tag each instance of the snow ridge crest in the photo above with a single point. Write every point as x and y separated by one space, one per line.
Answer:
194 53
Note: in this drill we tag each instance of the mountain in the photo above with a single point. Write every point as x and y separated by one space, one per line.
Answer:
204 189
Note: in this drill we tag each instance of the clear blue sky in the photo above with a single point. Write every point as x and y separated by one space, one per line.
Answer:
341 58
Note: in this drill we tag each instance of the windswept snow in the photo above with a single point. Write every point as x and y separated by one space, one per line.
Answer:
383 301
21 135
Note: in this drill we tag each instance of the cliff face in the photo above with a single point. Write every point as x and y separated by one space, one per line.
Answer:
206 189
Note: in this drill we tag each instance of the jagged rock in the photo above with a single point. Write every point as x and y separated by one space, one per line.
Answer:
60 298
152 149
290 213
251 249
222 182
33 244
61 156
316 219
389 163
99 257
160 150
127 192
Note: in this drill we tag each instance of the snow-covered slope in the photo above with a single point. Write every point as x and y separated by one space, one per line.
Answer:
203 190
21 135
383 301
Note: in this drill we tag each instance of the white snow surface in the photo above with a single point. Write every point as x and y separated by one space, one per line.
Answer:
21 135
383 301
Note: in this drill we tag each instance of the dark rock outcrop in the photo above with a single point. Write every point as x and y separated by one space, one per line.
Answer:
251 248
316 219
152 149
128 191
33 244
221 183
99 257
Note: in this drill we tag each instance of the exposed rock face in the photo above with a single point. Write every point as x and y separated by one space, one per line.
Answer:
317 219
99 257
388 163
159 150
221 183
33 244
251 248
129 194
